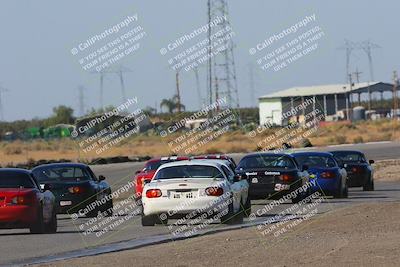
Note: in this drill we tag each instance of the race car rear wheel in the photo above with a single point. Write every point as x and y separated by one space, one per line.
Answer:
343 192
38 227
51 227
246 208
149 220
369 186
231 217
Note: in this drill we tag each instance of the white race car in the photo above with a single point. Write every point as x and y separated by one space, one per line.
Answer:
194 188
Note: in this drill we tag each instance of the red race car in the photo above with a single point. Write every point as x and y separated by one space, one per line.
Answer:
24 205
149 170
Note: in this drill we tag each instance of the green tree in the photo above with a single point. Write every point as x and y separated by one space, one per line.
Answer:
61 114
172 104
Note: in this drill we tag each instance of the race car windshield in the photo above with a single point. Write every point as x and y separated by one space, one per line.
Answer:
9 179
185 171
349 157
316 161
61 173
270 161
152 166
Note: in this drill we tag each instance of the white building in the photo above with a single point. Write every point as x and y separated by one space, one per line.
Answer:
328 99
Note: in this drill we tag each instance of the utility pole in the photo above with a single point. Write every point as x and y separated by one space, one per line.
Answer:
216 92
81 98
395 99
252 89
196 73
2 90
357 75
178 94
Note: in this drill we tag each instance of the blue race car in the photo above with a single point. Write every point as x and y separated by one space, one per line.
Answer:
325 174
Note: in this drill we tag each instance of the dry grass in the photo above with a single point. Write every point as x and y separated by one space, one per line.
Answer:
238 141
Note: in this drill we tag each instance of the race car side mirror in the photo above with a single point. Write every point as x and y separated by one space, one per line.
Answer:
46 187
101 178
146 181
371 161
305 168
237 178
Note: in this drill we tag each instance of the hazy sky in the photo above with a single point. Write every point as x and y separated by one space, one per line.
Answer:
37 66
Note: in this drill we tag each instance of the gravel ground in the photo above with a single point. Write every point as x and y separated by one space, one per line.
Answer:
358 235
387 170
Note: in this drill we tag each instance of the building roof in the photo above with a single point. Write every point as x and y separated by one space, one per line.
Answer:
328 89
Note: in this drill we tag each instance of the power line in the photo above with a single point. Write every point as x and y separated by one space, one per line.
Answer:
120 70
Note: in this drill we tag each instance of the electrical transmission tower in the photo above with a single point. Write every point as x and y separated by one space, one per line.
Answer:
221 65
120 70
365 46
2 90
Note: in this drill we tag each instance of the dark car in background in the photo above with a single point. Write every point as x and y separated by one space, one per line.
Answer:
359 169
76 188
24 205
272 175
326 175
231 162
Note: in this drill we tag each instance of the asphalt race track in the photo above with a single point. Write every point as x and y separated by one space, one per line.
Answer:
18 246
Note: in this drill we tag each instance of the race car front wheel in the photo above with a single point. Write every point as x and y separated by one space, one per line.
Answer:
149 220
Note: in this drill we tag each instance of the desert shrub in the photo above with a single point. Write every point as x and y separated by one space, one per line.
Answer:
13 150
358 139
340 139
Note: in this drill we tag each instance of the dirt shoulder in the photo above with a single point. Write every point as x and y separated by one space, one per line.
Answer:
360 235
387 170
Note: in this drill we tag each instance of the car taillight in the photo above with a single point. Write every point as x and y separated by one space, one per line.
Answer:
328 174
19 200
76 190
356 169
153 193
214 191
286 177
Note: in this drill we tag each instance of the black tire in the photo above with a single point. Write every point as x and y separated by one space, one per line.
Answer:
369 186
299 197
51 227
343 192
232 217
38 227
149 220
108 210
246 208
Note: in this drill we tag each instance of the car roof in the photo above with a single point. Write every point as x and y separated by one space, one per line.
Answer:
18 170
167 158
65 164
204 162
267 154
311 153
347 151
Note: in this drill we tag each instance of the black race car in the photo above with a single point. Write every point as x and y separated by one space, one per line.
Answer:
272 175
76 188
359 170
